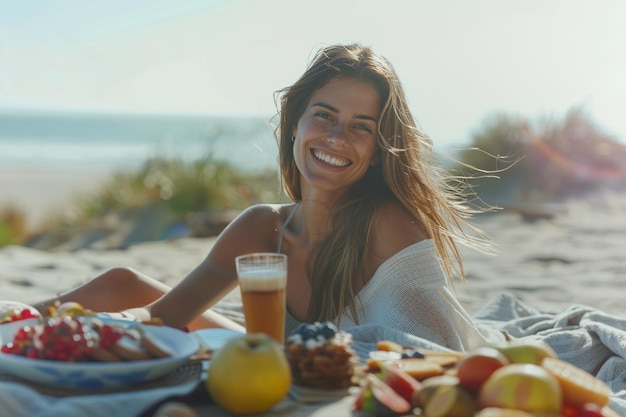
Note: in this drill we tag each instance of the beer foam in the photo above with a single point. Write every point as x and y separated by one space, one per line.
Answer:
262 279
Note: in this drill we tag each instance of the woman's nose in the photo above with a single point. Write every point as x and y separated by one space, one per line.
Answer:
336 135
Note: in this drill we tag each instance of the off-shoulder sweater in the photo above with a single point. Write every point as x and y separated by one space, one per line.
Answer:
409 294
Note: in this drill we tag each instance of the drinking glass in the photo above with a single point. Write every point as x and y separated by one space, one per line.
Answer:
263 281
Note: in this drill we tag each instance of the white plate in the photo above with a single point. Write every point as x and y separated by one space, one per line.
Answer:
214 339
93 376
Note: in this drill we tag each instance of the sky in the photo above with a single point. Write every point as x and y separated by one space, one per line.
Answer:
459 61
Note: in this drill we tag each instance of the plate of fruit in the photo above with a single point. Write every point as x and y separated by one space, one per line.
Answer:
11 311
521 378
90 353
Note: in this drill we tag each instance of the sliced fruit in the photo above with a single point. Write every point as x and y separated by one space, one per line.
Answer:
430 385
444 359
380 400
401 382
451 401
579 387
522 386
527 351
389 346
420 369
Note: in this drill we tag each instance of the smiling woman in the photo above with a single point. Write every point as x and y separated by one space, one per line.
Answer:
335 139
372 233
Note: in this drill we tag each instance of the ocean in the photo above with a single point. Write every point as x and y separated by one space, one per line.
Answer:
107 142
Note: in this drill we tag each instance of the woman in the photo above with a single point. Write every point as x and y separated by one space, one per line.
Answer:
372 236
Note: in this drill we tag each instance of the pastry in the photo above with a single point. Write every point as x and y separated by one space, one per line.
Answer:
321 356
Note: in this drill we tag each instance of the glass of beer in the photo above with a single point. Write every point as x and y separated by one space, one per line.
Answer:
263 281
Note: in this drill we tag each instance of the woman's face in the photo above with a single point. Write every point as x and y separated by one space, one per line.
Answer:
335 139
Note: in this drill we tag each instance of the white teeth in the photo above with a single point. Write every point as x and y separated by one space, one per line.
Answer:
330 160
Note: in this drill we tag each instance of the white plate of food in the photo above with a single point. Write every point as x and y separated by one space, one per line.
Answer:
143 354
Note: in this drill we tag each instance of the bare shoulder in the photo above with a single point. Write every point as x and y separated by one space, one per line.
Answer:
256 228
393 229
264 212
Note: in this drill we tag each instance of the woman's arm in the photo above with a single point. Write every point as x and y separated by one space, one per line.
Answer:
254 230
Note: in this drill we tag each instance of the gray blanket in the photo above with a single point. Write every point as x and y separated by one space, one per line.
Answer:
588 338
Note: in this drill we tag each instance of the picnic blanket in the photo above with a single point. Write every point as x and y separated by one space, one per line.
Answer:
584 336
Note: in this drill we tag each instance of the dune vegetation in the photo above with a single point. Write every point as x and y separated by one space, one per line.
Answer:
508 159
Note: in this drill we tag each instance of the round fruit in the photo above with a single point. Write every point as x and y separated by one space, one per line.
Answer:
430 385
527 351
70 308
477 366
451 401
249 374
578 386
525 387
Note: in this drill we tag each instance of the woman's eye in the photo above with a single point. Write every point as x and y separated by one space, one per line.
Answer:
323 115
364 127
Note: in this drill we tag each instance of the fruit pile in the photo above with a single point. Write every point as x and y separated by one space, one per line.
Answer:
64 339
72 339
13 311
519 379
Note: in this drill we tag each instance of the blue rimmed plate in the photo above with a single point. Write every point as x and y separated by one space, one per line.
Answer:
95 376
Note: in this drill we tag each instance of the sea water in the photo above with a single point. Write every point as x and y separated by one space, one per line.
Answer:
106 142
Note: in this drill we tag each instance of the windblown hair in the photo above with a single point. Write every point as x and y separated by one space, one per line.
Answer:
405 172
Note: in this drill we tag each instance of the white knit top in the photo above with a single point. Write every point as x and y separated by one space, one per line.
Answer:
409 294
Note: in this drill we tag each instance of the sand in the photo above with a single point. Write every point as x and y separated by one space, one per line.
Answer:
44 191
574 258
577 257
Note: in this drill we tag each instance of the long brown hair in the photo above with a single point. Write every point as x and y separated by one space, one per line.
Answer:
405 172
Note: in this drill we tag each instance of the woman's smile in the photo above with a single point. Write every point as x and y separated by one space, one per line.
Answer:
334 161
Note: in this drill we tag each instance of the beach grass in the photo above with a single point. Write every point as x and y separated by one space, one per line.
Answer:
509 159
13 229
170 187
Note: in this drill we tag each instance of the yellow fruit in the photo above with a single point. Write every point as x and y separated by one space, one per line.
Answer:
527 351
451 401
430 385
389 346
70 308
579 387
249 374
522 386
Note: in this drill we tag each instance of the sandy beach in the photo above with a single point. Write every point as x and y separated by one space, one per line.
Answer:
574 258
41 192
557 264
